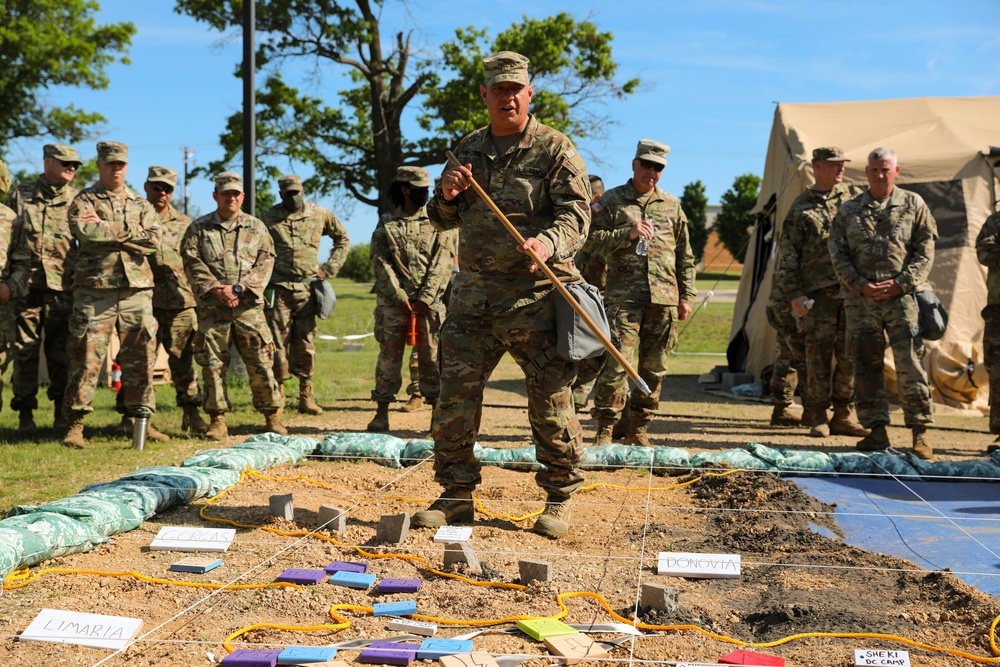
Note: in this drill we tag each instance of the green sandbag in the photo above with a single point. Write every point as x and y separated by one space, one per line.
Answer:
303 445
664 460
103 516
873 463
518 458
62 535
229 459
381 448
146 496
970 468
192 482
792 460
276 452
416 451
737 458
18 545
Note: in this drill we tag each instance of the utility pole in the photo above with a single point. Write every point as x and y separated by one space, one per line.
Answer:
249 107
188 154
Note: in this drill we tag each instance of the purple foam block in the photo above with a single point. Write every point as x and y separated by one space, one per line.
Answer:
339 566
394 646
386 657
303 577
249 658
398 585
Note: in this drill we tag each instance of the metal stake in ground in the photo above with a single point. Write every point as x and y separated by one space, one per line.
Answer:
612 350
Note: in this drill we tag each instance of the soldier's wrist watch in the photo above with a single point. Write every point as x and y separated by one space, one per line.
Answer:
238 289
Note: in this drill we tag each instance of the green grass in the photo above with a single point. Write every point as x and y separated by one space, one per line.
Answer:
38 469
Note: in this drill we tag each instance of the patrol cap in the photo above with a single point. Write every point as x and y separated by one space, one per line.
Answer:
227 181
61 152
162 175
829 154
415 176
290 182
653 151
505 66
112 151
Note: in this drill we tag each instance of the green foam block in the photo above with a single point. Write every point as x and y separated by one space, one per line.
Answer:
544 628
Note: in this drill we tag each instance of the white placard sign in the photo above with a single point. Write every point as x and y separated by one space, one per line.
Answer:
453 534
71 627
871 656
186 538
698 566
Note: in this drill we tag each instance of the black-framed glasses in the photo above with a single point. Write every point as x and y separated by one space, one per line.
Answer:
655 166
69 165
161 187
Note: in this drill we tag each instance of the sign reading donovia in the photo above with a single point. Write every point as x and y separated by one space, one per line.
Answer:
71 627
186 538
698 566
880 657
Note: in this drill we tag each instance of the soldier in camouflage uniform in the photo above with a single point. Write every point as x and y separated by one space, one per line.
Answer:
789 368
228 257
116 230
988 252
413 263
297 226
41 267
173 301
646 294
498 303
804 273
7 221
882 245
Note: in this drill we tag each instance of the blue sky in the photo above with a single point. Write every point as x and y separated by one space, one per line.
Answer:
711 72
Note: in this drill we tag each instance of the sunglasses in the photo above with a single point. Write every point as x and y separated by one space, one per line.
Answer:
655 166
69 165
160 187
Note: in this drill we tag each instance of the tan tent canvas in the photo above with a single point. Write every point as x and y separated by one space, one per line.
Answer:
943 146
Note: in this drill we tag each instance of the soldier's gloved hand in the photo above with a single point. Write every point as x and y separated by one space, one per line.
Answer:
406 307
4 293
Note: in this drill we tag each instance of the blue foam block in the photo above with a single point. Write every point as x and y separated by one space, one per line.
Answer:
432 649
353 580
303 655
401 608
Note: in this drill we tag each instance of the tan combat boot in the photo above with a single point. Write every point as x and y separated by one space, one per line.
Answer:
153 433
127 428
554 521
815 419
217 429
415 403
25 421
74 431
453 506
380 423
272 422
844 424
604 429
783 416
637 435
921 448
876 441
308 405
622 425
192 420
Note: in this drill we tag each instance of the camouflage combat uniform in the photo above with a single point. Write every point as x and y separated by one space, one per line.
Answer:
7 310
871 241
174 307
497 305
42 259
230 252
804 268
296 236
413 262
988 251
114 289
642 293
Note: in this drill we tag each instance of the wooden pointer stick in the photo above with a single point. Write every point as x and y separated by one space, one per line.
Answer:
612 350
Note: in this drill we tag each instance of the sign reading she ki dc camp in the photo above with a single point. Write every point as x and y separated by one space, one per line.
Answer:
698 566
880 657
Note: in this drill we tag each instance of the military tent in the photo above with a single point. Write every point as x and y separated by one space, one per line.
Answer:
945 156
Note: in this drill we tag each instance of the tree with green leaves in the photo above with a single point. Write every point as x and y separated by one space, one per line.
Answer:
358 265
733 220
48 43
694 202
356 145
